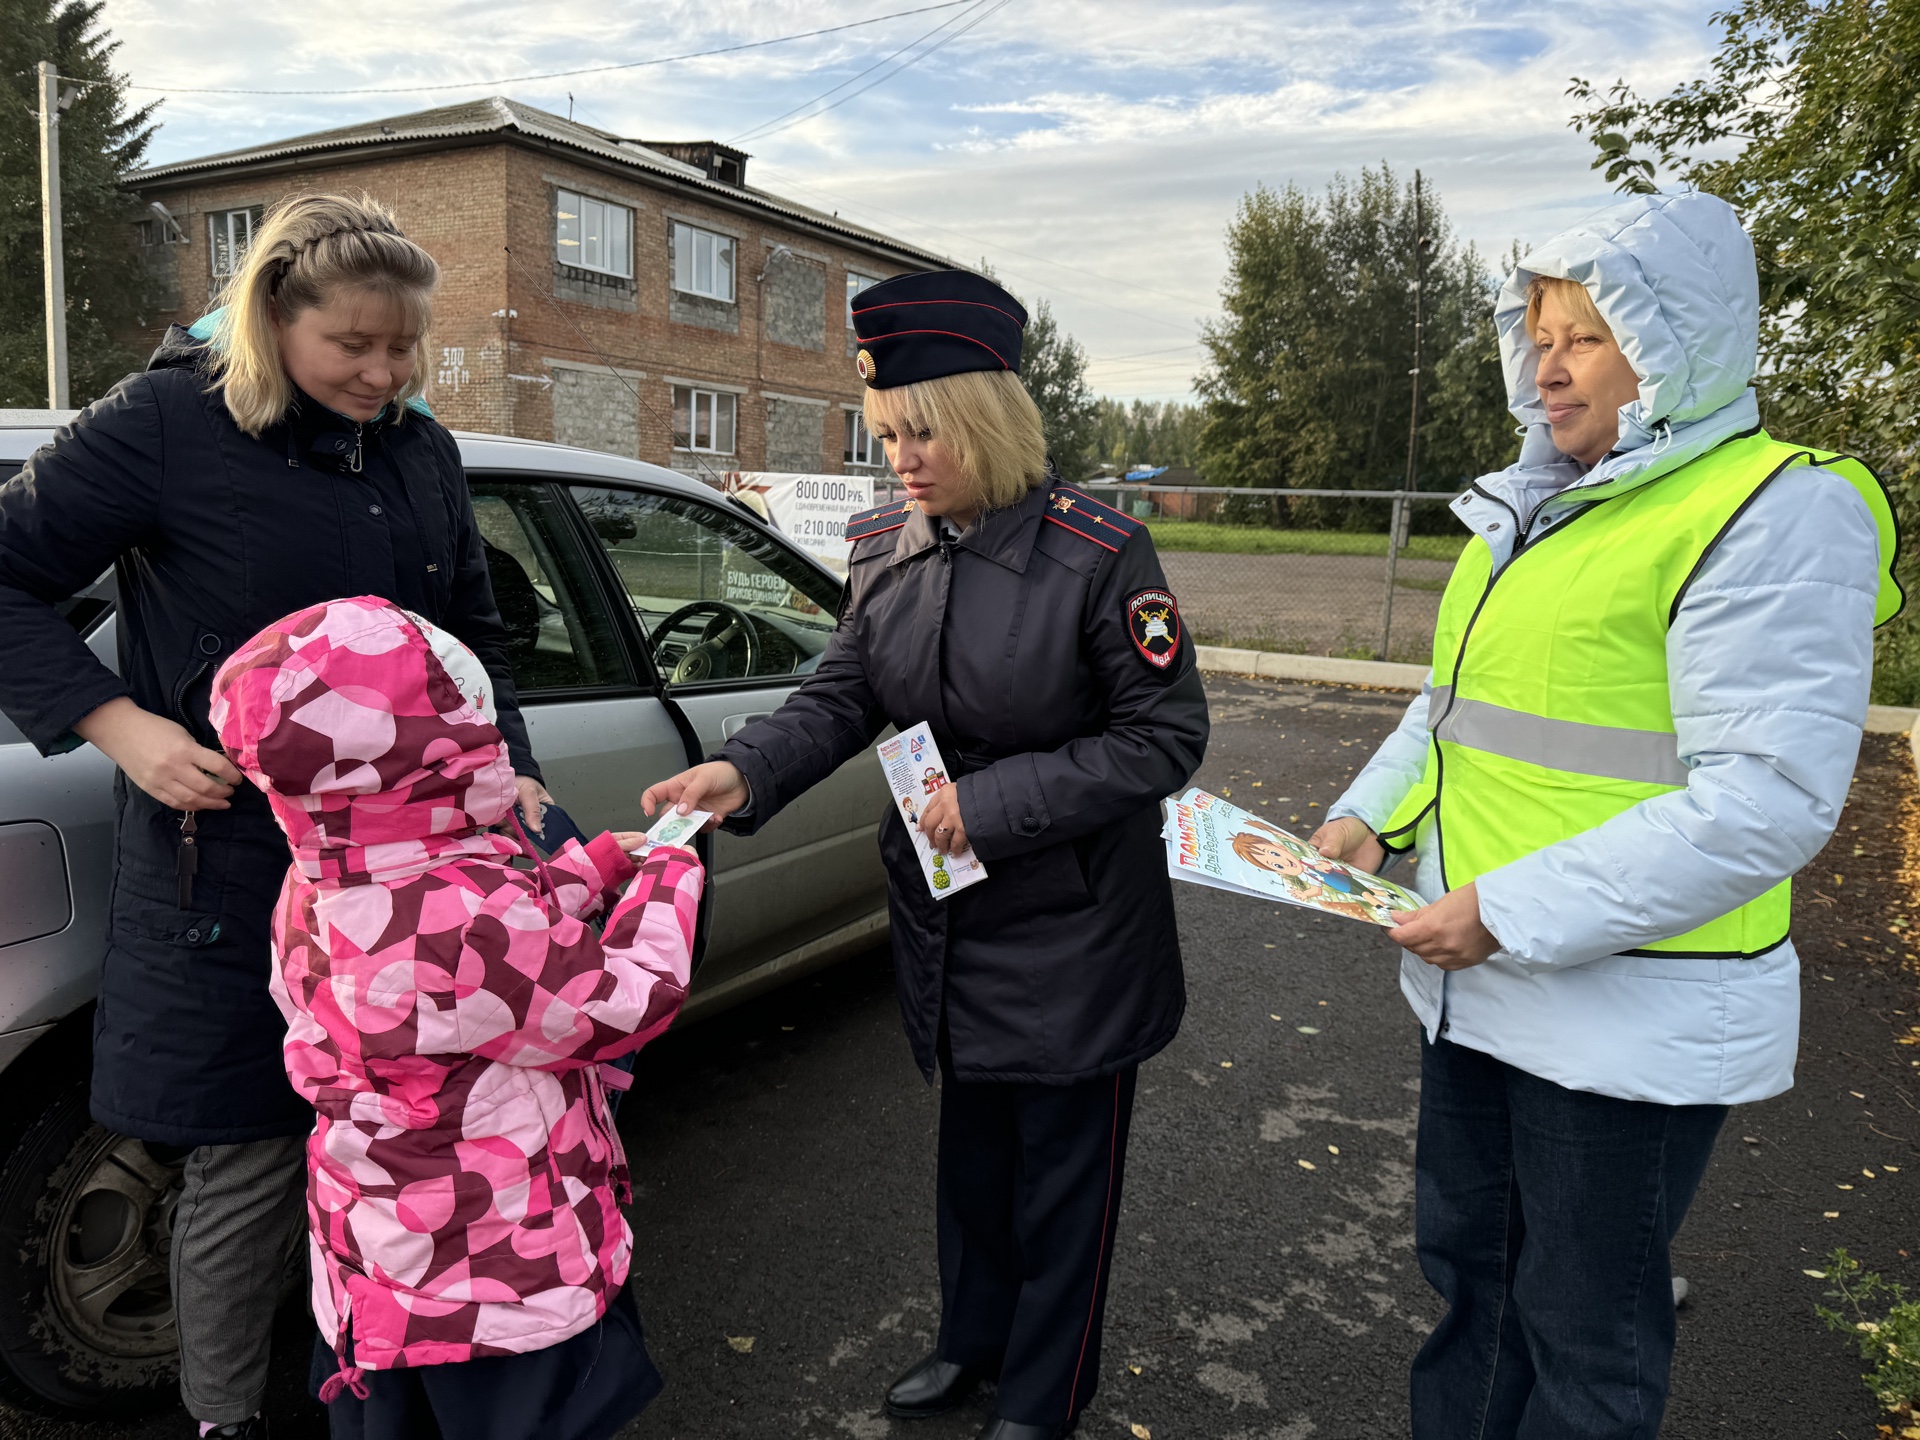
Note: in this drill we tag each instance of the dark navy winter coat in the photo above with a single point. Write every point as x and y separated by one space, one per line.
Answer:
213 535
1045 654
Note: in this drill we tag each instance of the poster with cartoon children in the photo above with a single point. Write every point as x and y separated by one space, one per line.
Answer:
1214 843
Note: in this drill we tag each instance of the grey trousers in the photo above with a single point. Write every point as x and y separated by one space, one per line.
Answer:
241 1213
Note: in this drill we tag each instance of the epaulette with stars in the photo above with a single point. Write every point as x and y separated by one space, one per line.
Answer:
879 520
1089 518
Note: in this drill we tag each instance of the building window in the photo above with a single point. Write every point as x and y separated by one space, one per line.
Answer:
593 234
155 233
863 446
229 232
855 284
702 420
702 263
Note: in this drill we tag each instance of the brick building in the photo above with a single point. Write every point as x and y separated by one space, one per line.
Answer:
628 296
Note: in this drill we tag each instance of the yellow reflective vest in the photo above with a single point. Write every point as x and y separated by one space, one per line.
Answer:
1551 712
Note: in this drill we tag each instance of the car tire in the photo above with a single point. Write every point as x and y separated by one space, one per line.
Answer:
86 1310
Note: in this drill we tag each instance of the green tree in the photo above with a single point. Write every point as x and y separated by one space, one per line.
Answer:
1054 366
1308 378
1808 123
1145 432
108 286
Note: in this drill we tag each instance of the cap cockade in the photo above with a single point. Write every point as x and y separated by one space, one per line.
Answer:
938 322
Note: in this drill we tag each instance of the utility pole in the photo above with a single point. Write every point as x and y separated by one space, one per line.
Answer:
1403 507
52 261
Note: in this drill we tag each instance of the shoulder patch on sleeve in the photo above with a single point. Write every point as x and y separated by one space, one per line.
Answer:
1089 518
1153 620
879 520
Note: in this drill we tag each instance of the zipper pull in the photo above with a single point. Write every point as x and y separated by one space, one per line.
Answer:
187 863
354 463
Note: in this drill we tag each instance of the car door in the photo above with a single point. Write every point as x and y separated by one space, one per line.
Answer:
596 720
732 620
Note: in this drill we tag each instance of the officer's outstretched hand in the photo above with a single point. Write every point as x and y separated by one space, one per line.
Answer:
1349 839
716 786
1448 934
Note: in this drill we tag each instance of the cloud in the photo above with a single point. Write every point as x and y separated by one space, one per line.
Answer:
1092 150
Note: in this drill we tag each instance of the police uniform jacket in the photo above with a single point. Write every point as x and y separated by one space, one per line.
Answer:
1042 649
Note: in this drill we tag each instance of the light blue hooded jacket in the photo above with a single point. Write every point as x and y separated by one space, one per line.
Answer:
1769 662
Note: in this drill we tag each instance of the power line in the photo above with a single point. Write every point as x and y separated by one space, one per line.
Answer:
774 127
550 74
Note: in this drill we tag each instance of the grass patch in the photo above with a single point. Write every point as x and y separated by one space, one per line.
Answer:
1193 535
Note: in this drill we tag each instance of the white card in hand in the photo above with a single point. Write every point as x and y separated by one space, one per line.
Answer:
673 828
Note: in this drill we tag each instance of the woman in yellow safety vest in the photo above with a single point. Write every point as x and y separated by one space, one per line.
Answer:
1650 674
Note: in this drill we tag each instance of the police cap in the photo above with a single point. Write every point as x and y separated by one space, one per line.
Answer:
934 323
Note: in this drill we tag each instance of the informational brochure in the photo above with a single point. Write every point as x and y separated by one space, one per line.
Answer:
673 828
1211 842
915 773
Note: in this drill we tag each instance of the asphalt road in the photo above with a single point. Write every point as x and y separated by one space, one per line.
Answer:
784 1165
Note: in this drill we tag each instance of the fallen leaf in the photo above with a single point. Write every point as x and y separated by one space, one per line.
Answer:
1816 1274
1141 1432
1273 1017
1306 1029
1134 1368
1843 1187
1831 1214
741 1343
1333 1149
1867 1173
1269 947
1751 1139
1891 1169
1226 1064
1856 1094
1306 1165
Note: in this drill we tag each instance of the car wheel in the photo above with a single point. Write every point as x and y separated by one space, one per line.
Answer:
86 1222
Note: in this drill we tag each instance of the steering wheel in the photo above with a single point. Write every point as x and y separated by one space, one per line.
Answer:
699 662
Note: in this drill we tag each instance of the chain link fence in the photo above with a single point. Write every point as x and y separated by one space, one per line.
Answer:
1305 572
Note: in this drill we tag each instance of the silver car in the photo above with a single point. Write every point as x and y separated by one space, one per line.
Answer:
648 619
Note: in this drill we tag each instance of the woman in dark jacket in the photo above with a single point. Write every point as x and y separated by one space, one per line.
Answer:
1031 628
285 462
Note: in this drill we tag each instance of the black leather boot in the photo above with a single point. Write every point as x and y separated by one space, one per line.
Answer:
932 1387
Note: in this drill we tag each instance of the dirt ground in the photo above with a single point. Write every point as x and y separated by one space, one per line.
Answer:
1309 604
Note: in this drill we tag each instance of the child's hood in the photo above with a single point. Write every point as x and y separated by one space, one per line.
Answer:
371 732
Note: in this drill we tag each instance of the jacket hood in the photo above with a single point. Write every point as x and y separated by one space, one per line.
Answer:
372 733
1673 276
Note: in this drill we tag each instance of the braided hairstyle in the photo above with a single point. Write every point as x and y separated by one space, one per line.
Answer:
308 249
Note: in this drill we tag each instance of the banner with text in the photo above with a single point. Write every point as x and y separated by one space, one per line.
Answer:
812 510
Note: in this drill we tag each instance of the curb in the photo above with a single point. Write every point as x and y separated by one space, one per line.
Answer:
1381 675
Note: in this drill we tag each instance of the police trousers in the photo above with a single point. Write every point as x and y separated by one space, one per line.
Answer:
1029 1198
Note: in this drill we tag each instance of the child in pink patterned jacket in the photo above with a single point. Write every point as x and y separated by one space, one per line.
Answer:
449 1016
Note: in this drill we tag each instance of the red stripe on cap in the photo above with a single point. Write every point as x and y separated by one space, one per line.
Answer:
954 334
903 304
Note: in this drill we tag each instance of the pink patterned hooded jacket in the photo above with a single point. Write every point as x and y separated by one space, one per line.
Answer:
447 1013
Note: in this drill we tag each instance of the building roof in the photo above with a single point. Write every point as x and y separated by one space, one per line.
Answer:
496 117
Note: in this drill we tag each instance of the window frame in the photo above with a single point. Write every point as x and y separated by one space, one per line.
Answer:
685 262
640 679
584 205
876 448
220 238
616 590
713 395
853 290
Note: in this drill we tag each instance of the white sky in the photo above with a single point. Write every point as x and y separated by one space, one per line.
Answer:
1092 151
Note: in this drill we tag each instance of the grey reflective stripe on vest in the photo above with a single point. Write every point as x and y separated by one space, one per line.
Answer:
1644 756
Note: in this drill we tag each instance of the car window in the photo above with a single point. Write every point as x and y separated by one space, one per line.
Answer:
559 636
716 598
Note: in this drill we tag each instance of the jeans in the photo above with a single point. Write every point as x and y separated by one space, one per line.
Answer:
1543 1217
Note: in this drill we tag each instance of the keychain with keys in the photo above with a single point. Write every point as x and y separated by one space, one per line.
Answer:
187 863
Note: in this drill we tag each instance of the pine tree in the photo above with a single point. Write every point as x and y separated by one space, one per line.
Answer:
108 286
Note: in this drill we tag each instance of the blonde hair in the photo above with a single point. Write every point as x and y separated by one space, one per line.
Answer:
1572 295
307 250
983 418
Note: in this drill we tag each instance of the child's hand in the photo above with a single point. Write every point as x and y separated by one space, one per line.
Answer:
630 841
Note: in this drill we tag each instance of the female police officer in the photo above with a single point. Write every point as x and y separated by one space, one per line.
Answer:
1030 626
